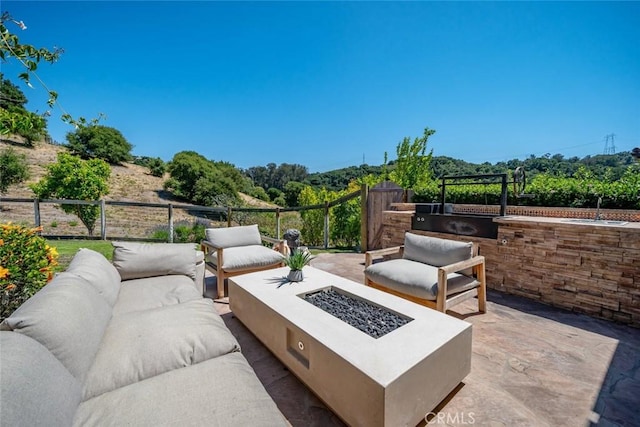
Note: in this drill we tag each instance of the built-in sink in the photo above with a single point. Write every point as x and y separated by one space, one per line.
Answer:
595 221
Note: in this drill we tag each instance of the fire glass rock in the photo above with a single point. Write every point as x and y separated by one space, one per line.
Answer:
371 319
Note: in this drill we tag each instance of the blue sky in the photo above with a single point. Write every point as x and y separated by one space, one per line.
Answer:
328 84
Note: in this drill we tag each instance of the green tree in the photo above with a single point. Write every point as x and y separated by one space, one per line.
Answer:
202 181
10 95
291 192
276 176
313 219
345 226
14 118
100 142
413 166
13 169
157 167
76 179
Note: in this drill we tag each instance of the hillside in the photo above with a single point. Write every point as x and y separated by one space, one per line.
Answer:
128 182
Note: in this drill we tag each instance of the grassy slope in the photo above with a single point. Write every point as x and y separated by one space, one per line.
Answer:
68 248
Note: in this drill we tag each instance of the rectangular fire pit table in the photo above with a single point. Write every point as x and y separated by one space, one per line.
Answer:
392 380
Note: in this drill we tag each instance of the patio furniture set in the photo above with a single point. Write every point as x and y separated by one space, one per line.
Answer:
135 342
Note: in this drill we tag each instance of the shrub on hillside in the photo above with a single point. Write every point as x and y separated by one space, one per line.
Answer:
26 265
13 169
99 142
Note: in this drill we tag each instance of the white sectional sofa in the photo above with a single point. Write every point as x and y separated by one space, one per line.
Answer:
131 342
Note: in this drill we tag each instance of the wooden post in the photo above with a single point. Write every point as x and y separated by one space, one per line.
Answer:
103 220
170 237
364 224
36 211
503 196
228 216
442 197
278 223
326 225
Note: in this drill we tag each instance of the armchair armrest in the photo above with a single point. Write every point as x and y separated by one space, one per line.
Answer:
444 271
278 245
207 247
462 265
371 255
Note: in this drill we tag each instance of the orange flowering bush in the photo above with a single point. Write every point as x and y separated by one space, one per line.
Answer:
26 265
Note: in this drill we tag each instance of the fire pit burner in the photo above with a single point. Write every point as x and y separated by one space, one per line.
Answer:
371 319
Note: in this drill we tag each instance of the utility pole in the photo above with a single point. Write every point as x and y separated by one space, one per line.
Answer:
610 148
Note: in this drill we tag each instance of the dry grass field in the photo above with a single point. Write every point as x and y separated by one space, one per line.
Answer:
128 182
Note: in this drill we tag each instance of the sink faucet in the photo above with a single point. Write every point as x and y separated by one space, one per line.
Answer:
598 218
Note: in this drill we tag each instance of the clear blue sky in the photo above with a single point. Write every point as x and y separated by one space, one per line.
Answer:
324 84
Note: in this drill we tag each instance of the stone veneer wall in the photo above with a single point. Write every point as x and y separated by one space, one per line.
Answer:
581 267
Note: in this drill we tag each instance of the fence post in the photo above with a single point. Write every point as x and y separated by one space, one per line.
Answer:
364 217
36 211
228 216
326 225
170 223
278 223
103 220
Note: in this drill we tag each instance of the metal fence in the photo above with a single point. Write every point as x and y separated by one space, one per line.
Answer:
127 220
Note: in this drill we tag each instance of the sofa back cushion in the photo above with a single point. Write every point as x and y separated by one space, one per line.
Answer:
36 389
142 344
98 271
245 235
67 317
139 260
434 251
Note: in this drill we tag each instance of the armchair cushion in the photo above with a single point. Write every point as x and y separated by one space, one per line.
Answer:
415 278
246 257
434 251
245 235
138 260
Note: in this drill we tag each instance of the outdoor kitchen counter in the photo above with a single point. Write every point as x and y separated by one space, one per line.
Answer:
632 227
591 268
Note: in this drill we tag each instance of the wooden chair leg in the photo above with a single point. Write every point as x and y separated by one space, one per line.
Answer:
220 283
482 290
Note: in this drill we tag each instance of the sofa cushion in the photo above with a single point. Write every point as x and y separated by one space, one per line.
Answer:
435 251
137 260
154 292
218 392
98 271
234 236
68 317
36 389
416 278
143 344
243 257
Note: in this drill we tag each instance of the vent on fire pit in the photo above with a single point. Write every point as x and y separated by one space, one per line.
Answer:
372 319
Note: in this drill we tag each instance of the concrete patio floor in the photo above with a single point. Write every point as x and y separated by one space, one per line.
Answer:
532 365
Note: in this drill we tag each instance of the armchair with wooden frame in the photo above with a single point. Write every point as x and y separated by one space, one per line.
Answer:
238 250
434 272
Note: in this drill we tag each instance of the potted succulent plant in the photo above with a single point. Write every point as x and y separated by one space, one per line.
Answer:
295 261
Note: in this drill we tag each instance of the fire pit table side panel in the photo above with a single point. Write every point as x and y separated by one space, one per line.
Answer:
440 373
